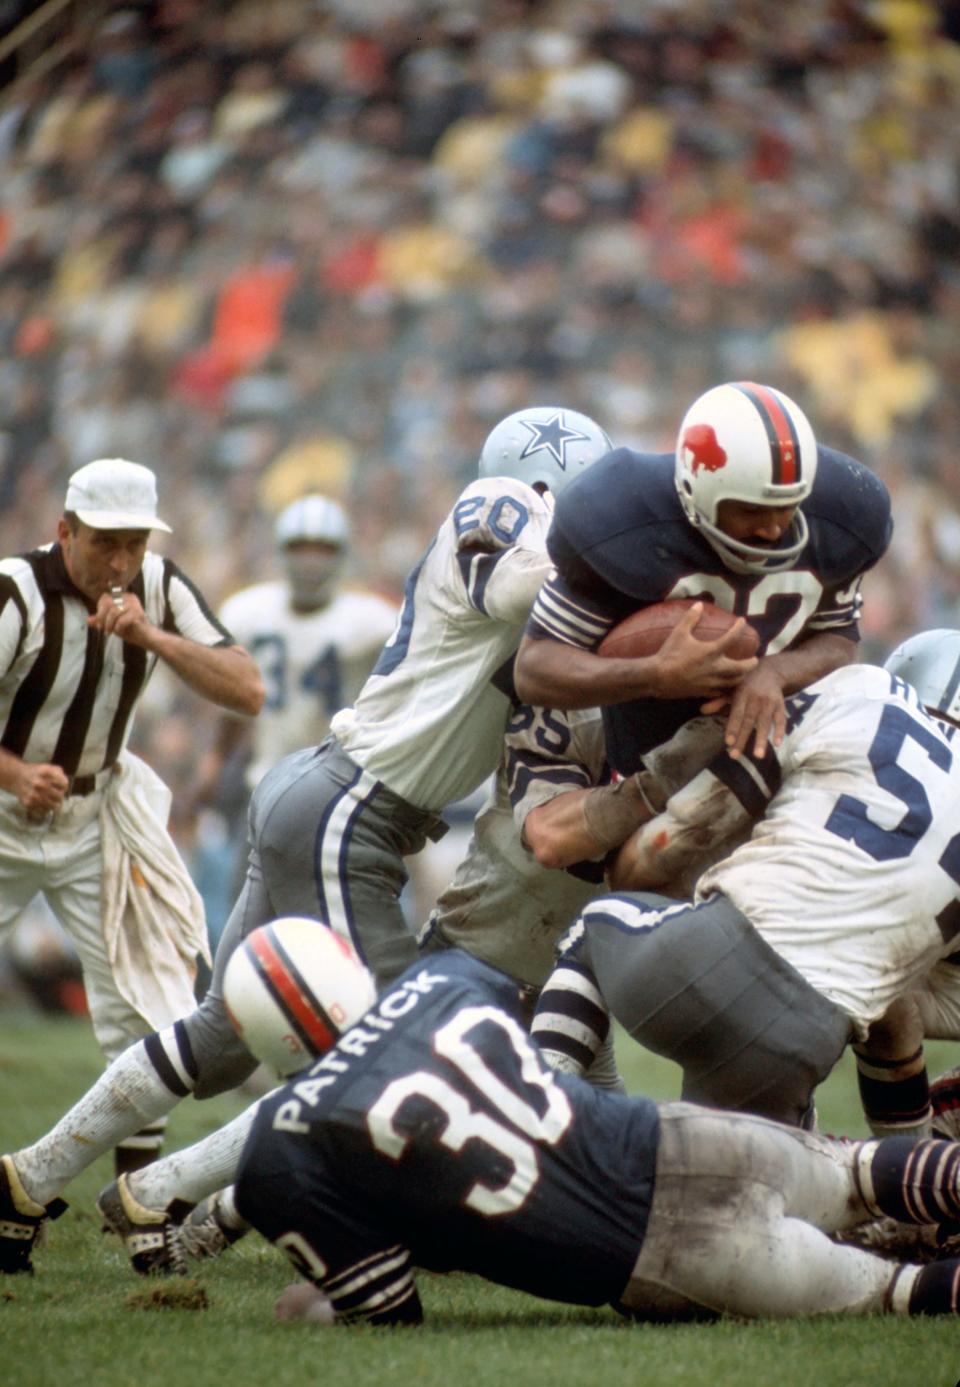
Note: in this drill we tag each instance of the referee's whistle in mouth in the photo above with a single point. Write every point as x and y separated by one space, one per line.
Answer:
116 592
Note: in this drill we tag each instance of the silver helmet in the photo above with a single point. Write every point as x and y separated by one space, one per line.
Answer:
312 534
930 661
545 445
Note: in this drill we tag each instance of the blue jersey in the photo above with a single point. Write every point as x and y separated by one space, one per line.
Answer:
620 541
435 1135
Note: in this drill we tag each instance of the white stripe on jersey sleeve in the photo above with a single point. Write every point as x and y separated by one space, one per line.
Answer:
566 620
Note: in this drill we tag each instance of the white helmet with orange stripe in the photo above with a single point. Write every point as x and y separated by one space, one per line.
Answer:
750 443
291 988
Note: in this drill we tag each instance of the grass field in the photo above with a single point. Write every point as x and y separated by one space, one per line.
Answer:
85 1319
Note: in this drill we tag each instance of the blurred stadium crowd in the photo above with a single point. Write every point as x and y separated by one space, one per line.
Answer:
326 244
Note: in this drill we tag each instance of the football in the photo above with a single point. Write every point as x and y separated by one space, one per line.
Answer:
644 632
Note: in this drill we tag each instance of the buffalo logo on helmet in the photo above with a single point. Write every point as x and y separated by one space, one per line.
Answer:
701 448
553 436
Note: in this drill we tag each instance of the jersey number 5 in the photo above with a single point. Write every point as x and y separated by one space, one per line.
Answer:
849 817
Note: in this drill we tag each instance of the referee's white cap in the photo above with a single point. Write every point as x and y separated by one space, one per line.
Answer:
113 494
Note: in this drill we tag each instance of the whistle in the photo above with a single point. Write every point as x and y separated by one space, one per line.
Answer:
116 593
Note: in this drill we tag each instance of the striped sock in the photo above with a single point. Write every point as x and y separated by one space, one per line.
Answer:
895 1094
936 1290
571 1021
911 1181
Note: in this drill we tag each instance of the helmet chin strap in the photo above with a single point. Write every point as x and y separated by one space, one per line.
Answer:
753 558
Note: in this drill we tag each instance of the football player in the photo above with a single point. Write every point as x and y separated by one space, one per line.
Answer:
432 1134
330 826
749 513
314 640
845 897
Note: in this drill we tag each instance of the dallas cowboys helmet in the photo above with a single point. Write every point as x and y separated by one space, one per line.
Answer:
543 446
291 988
746 442
312 534
930 661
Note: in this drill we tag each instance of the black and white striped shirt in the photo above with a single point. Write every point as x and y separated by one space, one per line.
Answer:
67 692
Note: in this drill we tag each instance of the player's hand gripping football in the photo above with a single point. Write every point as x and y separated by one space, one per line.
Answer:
689 667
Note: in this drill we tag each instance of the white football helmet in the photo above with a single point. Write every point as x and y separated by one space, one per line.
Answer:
308 521
930 661
291 988
746 442
545 445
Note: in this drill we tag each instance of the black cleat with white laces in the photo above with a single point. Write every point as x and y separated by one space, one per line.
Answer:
21 1219
151 1237
209 1230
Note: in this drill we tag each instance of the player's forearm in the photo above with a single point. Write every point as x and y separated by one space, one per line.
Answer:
583 825
225 674
696 820
550 674
816 657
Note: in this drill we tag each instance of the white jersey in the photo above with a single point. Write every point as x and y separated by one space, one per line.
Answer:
312 663
853 872
430 720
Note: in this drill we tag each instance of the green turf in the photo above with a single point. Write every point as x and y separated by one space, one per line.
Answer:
85 1321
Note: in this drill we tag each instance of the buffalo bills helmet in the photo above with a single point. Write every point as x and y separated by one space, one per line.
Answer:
746 442
544 446
312 533
291 988
930 661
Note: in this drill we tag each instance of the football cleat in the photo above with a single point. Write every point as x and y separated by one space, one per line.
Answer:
904 1242
21 1220
206 1232
151 1237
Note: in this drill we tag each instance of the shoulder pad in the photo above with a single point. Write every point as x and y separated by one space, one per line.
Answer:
850 505
492 513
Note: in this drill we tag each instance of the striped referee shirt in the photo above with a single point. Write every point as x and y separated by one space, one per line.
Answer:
67 692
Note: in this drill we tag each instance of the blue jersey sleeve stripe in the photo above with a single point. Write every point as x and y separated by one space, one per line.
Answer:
476 570
521 774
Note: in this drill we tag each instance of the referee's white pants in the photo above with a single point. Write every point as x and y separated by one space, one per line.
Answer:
61 858
740 1216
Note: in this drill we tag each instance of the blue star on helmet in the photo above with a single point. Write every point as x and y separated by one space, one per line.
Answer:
553 436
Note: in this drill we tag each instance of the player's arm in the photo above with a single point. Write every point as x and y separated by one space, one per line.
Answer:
377 1288
715 808
758 704
827 642
557 666
557 776
580 825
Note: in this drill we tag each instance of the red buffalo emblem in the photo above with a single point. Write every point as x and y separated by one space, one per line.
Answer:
701 449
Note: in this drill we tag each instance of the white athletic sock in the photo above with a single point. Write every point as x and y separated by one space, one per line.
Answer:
127 1096
197 1170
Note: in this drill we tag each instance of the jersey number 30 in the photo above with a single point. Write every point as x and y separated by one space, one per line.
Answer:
513 1142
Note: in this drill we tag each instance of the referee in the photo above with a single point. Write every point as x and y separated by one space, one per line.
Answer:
83 623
